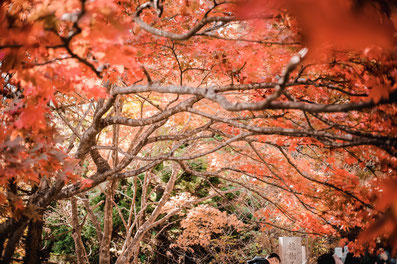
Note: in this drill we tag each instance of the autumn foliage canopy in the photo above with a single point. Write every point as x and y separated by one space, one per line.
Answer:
291 102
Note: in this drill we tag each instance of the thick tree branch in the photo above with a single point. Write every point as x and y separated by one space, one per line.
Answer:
161 33
213 95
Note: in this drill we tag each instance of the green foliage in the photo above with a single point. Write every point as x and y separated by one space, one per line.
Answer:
64 243
197 186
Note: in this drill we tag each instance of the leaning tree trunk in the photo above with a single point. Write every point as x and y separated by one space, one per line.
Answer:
79 246
11 235
4 232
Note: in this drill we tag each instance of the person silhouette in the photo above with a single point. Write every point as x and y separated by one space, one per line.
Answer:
326 259
272 258
258 260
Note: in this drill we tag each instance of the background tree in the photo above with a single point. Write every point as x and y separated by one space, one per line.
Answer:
97 95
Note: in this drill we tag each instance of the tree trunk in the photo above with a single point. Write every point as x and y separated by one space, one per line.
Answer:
104 255
129 249
136 255
80 250
12 230
4 232
14 235
33 242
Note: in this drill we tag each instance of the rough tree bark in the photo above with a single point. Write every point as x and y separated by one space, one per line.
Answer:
104 255
80 250
129 247
13 231
34 241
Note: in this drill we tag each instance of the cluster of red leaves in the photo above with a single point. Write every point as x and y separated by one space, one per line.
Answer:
325 26
385 222
203 221
343 24
28 141
28 153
